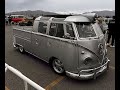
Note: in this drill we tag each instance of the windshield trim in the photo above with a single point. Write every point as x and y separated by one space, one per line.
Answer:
98 34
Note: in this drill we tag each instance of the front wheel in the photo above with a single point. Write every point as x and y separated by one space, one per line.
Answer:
58 66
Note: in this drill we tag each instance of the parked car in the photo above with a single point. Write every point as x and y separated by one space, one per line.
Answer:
71 45
17 18
28 21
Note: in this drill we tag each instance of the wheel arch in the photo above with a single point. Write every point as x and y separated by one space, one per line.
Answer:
51 59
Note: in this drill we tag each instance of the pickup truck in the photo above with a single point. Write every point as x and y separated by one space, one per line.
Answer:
72 45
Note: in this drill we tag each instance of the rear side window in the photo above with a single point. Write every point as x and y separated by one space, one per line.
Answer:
53 29
56 29
42 27
60 31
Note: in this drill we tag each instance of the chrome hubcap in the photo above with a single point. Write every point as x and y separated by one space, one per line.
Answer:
57 66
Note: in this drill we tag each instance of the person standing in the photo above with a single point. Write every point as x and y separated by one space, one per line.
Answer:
9 19
102 25
6 20
111 32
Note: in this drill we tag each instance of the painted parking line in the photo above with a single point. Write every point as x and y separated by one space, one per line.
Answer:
112 67
6 88
53 83
56 81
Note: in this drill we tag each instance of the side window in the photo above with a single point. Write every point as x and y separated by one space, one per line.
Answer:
69 30
42 27
60 31
53 29
56 29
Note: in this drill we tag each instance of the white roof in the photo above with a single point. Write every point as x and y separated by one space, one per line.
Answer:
77 19
73 19
38 18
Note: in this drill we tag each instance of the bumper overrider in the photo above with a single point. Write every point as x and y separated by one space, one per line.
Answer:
90 73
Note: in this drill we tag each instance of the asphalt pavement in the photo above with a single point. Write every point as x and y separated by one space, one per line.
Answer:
41 73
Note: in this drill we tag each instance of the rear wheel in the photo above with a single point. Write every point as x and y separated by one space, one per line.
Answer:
58 66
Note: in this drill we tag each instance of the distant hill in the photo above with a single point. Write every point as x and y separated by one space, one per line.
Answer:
37 13
32 13
105 13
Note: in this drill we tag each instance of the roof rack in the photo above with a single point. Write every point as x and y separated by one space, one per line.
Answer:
58 16
86 17
90 16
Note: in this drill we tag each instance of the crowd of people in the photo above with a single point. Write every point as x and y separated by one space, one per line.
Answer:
111 33
110 30
8 20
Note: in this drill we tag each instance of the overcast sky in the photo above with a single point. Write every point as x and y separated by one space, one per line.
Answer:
59 5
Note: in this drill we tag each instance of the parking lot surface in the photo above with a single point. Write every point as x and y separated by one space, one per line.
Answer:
41 73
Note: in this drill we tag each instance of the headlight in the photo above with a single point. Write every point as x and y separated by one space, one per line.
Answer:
88 61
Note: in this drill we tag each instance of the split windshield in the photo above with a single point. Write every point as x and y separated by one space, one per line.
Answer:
85 29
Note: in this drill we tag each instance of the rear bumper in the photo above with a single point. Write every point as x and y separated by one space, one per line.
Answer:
86 74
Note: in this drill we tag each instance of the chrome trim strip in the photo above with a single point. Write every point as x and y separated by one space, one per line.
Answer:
36 56
23 30
24 38
56 38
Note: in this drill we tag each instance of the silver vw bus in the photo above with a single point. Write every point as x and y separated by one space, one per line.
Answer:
72 45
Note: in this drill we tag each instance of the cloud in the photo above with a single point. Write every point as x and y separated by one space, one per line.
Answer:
58 5
16 5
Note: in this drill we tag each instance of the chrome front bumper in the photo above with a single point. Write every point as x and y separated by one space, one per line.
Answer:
86 74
